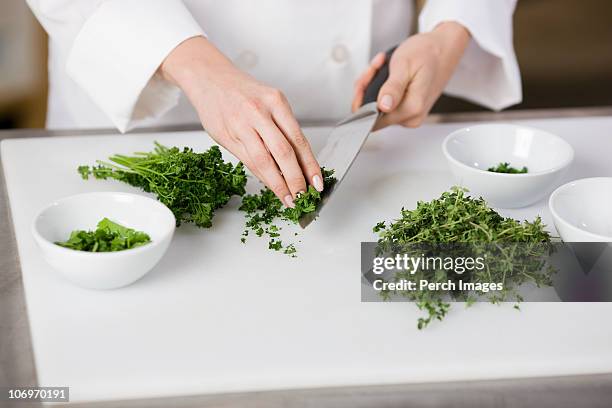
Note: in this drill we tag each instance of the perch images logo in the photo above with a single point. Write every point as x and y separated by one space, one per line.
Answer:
424 285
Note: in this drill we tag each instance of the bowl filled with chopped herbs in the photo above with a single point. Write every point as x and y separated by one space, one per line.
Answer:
510 166
104 240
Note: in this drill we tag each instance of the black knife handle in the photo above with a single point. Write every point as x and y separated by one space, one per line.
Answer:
371 92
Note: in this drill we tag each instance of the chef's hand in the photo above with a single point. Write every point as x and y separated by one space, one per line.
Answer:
248 118
419 70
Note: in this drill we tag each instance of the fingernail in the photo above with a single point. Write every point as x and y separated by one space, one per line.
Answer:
318 183
289 201
386 102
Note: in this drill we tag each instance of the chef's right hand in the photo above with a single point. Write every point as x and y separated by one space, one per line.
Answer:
248 118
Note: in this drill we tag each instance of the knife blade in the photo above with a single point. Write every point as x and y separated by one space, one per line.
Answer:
348 137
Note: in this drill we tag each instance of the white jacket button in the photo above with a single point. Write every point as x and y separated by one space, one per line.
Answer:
340 53
247 60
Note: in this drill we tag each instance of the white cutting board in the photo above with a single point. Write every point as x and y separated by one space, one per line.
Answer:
219 316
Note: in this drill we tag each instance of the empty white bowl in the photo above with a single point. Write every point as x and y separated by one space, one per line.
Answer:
471 151
103 270
582 210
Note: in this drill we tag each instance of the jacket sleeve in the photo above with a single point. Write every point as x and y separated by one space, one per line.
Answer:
115 48
488 73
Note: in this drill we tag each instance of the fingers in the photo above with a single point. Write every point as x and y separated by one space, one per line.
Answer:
240 151
364 80
284 156
412 110
360 85
310 168
237 148
378 61
267 138
393 90
261 160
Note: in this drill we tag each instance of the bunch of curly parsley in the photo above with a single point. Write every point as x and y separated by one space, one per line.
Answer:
192 185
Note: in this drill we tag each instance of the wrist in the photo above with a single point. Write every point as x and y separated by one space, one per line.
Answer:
454 37
192 62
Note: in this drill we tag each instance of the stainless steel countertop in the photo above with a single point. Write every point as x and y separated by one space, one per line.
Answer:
17 368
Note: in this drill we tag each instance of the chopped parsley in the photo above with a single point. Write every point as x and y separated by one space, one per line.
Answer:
264 210
108 237
506 168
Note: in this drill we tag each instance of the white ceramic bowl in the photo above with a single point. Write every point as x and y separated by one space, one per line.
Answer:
471 151
106 270
582 210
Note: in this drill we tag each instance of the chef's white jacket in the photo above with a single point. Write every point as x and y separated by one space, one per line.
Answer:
104 54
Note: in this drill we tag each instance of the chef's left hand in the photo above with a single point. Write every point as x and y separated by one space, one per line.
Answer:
419 70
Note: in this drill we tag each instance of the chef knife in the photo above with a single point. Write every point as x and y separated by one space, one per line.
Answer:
348 137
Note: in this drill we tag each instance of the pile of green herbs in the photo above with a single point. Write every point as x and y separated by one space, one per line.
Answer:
192 185
264 211
108 237
516 251
507 168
